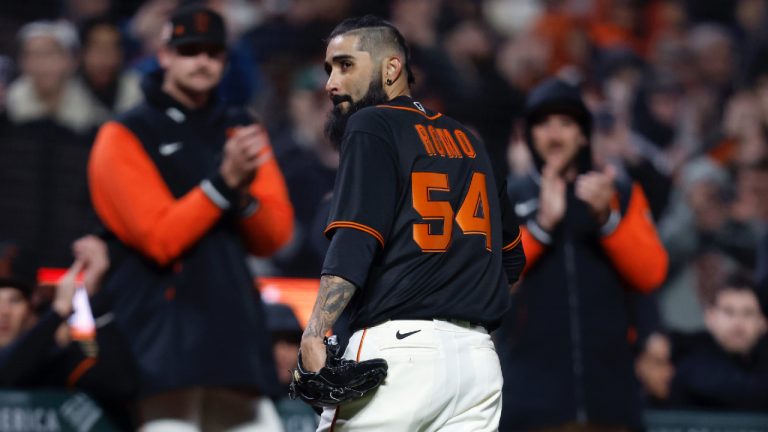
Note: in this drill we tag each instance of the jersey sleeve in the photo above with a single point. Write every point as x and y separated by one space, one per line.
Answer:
513 255
365 193
364 200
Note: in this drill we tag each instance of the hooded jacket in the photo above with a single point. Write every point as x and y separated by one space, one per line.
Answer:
183 293
564 344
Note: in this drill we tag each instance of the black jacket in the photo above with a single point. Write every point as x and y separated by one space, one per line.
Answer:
707 377
564 344
188 307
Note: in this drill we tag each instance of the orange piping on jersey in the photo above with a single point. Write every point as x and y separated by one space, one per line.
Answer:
80 370
634 247
514 242
532 247
360 347
357 226
436 116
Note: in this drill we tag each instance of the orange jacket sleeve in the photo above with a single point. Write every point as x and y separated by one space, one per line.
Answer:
271 226
133 201
532 247
634 246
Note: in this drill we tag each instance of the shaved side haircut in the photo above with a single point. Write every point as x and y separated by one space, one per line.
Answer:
377 36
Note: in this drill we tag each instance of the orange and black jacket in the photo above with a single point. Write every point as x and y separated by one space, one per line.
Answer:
183 292
566 334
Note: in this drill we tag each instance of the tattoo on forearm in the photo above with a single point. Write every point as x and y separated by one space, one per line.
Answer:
332 298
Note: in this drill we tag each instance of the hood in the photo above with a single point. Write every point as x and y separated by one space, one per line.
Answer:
555 96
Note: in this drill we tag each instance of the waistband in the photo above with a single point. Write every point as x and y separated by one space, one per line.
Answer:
439 323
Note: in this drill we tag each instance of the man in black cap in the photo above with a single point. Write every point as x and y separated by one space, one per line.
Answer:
188 187
589 240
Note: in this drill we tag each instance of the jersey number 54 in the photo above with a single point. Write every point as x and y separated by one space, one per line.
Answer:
473 216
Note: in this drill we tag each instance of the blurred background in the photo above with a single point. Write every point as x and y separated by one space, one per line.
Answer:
678 90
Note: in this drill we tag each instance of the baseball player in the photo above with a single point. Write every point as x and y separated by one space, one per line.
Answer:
423 247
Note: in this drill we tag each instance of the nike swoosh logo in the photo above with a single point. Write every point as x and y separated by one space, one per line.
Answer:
405 335
168 149
525 208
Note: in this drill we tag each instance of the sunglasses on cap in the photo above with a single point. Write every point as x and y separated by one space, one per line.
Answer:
195 49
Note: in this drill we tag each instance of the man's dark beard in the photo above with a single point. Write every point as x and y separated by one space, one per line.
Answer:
337 121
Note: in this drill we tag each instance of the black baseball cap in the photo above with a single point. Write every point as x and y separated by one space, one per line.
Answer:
197 25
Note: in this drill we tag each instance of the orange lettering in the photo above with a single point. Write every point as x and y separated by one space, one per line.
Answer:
474 214
449 143
437 140
424 135
422 183
465 144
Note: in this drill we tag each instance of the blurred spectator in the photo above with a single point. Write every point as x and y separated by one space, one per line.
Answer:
44 147
523 61
41 355
266 57
6 70
588 240
751 17
146 27
13 15
565 37
80 11
102 65
189 186
286 332
705 241
482 98
641 129
309 163
619 23
47 88
727 367
715 61
754 178
654 370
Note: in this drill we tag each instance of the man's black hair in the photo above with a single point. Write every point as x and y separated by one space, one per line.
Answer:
87 26
375 32
738 280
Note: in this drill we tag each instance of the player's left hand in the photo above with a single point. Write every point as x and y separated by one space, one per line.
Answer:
596 189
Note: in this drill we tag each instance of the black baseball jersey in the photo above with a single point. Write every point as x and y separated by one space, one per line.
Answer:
418 216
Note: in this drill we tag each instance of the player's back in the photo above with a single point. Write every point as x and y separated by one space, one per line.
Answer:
441 254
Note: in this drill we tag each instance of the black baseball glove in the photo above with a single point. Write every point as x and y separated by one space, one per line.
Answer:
338 381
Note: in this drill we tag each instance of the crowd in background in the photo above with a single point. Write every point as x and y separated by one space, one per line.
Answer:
678 90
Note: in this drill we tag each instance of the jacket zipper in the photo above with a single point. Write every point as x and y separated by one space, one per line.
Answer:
573 304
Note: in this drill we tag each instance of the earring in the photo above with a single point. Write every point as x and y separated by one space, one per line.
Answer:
389 81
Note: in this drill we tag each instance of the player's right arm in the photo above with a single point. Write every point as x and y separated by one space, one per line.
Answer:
132 199
364 201
332 297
